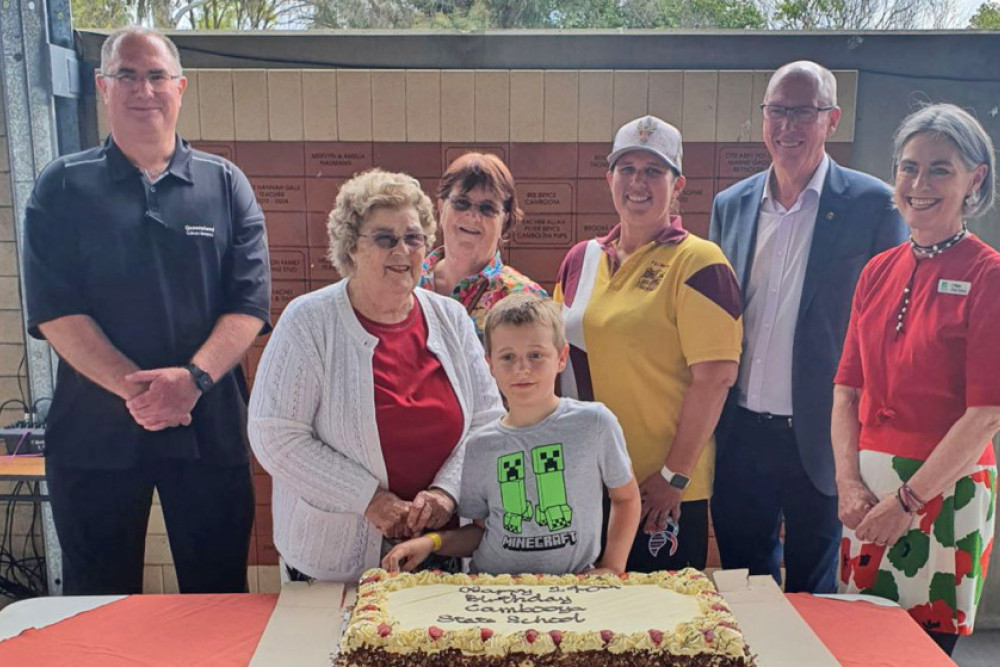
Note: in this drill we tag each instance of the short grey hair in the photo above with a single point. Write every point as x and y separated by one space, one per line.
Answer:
109 50
365 193
973 143
825 80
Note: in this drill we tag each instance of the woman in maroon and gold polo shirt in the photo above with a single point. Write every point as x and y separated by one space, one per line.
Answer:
916 399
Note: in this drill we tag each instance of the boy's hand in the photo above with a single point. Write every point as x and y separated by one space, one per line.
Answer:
597 569
430 509
659 502
406 556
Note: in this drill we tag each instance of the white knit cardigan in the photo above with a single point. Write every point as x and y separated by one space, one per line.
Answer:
312 424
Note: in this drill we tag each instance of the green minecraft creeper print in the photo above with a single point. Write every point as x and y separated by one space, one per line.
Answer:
516 506
552 510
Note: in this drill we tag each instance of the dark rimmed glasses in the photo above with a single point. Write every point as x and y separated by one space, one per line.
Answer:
797 115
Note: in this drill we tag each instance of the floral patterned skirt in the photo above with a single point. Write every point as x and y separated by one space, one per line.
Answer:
936 570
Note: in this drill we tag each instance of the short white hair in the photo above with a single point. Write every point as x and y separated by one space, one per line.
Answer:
826 83
109 50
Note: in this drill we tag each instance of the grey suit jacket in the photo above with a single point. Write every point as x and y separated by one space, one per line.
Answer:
855 222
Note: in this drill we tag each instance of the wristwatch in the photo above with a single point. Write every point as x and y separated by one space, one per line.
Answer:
675 479
202 380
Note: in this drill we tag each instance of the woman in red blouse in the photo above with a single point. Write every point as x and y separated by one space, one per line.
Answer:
917 398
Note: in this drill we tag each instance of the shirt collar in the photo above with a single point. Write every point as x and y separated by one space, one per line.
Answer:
672 233
489 272
815 184
122 168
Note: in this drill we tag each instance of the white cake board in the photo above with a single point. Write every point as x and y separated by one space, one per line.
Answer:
772 627
305 626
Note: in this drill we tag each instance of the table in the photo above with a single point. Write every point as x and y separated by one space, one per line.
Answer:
223 631
31 469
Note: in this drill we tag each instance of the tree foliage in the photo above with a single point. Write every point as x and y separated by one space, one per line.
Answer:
987 17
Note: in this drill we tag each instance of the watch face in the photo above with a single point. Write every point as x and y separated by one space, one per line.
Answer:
679 481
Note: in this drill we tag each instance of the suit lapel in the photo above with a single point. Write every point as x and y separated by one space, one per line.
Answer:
746 231
827 235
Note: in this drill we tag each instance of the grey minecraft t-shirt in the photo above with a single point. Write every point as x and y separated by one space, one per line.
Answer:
539 489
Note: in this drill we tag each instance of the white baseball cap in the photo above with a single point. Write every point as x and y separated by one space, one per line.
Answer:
652 135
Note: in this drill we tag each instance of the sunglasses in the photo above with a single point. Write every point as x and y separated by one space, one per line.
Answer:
388 241
486 208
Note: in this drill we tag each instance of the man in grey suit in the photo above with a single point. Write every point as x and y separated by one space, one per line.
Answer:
797 236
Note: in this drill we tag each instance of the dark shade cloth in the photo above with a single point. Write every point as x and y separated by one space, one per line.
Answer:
154 265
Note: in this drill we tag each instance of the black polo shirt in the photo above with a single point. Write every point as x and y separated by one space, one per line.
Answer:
155 265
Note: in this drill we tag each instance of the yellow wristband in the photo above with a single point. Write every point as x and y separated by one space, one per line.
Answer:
435 541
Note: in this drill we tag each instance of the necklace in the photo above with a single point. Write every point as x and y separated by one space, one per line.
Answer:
926 252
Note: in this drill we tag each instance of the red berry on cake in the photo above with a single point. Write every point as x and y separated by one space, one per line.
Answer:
369 607
623 575
371 579
556 637
384 630
709 636
656 636
607 636
485 633
531 636
435 632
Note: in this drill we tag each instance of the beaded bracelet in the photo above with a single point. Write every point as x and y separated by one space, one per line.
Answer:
912 499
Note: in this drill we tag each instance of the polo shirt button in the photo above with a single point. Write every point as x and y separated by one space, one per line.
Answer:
152 188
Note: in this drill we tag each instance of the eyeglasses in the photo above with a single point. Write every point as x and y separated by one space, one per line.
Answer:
158 81
486 208
388 241
797 115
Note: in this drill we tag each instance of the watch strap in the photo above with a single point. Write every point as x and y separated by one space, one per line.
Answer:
675 479
202 380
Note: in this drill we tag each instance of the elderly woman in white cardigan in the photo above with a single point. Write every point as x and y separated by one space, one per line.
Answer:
367 390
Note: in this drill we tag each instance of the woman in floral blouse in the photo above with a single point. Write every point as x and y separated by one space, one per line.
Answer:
477 208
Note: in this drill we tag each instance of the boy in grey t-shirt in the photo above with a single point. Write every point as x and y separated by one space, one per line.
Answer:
533 480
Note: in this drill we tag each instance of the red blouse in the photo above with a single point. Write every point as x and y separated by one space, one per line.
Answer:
916 384
418 415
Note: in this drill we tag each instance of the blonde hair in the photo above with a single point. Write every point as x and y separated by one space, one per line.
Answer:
523 308
363 194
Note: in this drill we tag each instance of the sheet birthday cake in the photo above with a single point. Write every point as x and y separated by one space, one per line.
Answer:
431 619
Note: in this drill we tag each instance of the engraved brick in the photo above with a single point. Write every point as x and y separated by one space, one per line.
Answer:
545 197
699 159
288 264
252 558
548 160
262 489
271 158
253 356
389 105
284 291
284 103
321 193
215 104
251 104
593 159
320 267
280 194
340 159
419 159
423 105
697 224
539 264
697 196
554 230
742 160
319 105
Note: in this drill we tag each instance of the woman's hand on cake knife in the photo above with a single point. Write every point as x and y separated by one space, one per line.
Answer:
388 512
430 509
660 501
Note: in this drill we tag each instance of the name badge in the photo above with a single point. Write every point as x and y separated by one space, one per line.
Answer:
957 287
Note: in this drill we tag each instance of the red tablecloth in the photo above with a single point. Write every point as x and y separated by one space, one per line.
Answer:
223 631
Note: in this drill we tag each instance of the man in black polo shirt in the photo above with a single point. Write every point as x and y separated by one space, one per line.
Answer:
146 269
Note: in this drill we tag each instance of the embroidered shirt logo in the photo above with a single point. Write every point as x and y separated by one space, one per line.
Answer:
199 230
652 276
956 287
